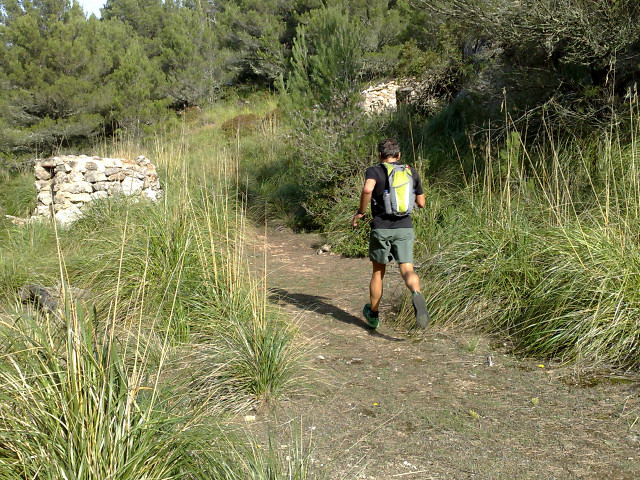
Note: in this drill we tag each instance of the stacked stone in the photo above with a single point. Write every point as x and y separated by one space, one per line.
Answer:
64 184
380 98
385 97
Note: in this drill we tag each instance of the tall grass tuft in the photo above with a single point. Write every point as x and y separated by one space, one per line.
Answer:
17 194
543 247
264 462
249 363
177 269
188 257
71 408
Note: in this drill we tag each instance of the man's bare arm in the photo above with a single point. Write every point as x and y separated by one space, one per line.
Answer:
365 198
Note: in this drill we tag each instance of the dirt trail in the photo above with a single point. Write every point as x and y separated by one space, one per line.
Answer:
384 405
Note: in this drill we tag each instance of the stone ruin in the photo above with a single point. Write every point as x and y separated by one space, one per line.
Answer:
65 184
385 97
427 94
380 98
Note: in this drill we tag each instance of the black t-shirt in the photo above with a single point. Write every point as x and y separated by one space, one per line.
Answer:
381 219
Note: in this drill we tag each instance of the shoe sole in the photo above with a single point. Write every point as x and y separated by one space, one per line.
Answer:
420 307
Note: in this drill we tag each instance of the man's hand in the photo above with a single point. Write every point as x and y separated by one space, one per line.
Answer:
357 217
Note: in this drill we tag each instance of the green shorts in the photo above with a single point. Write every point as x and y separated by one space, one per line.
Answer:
386 244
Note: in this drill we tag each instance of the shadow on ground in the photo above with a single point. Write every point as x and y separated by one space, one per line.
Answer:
318 304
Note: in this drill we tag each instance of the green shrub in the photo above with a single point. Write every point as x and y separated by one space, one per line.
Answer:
543 251
247 362
567 292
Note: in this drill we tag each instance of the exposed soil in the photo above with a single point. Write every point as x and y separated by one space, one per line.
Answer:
390 404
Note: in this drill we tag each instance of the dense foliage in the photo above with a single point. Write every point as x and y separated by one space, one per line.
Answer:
524 130
571 60
66 79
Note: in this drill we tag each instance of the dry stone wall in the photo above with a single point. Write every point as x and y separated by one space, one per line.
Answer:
380 98
65 184
385 97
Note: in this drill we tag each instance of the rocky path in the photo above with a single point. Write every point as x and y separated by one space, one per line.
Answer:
388 404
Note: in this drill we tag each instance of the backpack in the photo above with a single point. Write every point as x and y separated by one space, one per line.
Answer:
399 197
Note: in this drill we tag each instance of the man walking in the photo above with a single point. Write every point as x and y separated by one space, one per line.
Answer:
392 234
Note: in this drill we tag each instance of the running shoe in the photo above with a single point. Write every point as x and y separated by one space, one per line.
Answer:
371 321
420 309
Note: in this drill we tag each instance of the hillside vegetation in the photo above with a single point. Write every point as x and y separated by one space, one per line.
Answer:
524 129
160 335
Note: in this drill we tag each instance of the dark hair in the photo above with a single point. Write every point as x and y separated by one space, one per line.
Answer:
389 148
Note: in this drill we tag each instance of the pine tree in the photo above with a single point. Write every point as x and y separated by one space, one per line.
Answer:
326 59
67 79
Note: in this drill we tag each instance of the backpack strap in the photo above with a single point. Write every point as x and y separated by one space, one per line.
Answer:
387 172
389 167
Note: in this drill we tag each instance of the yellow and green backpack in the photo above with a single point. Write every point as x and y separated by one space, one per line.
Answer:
400 197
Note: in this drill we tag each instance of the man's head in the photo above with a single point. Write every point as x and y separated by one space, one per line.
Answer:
389 149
